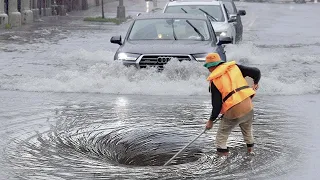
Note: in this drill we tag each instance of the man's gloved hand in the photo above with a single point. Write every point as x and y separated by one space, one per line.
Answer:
209 124
255 87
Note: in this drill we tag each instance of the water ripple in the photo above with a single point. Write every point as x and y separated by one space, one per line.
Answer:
91 141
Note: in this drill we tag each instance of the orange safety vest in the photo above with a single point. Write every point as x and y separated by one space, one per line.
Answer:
229 80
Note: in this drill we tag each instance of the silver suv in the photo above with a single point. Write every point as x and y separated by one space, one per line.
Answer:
155 39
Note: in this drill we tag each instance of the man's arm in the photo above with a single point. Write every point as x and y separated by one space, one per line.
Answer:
252 72
216 100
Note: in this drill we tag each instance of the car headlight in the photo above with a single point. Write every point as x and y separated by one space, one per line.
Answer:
223 33
200 57
128 56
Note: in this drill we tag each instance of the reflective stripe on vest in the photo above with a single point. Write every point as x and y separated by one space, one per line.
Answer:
230 82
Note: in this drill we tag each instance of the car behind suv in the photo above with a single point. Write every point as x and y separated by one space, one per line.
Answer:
155 39
234 12
221 21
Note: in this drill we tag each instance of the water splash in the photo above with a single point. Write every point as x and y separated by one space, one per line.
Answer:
283 72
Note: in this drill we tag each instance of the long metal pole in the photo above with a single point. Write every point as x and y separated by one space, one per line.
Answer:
184 147
190 143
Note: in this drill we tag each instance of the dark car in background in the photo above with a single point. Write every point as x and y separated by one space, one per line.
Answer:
155 39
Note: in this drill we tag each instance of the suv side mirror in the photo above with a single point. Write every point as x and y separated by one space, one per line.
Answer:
242 12
233 18
224 40
116 40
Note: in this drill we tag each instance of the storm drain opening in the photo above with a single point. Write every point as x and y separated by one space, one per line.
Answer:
147 148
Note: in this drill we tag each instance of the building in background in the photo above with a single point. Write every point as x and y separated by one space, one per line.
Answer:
14 13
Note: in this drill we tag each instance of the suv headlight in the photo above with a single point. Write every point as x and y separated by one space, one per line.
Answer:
128 56
224 33
200 57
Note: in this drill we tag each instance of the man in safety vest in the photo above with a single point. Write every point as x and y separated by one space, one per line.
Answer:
231 96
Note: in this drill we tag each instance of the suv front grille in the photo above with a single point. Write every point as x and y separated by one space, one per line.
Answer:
160 60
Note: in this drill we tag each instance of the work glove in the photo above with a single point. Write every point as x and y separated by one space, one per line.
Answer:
255 87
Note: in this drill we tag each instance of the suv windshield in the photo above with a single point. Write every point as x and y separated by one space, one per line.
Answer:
213 10
170 29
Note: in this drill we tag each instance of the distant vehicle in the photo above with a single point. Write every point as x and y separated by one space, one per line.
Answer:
280 1
155 39
232 11
300 1
222 22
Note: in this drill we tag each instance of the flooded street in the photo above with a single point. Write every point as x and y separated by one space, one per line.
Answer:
68 111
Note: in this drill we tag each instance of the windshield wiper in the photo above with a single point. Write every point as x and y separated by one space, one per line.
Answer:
208 14
196 30
174 33
184 10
